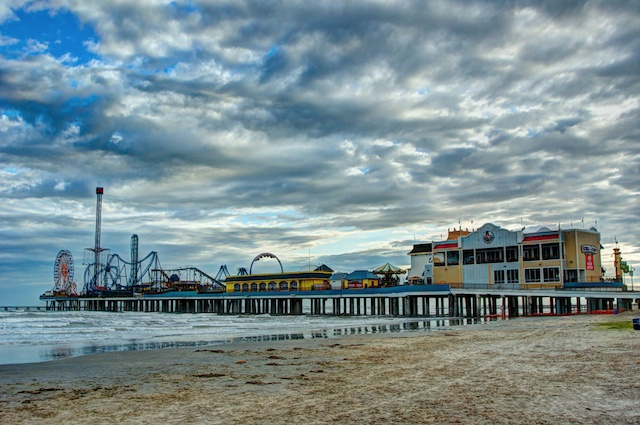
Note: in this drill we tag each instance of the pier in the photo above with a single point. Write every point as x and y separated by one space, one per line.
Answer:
407 301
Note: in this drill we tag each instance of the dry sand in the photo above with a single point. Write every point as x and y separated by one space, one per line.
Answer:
523 371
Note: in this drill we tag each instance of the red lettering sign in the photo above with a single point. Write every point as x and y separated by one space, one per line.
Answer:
589 258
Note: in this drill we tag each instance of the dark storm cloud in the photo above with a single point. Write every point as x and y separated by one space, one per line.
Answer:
222 129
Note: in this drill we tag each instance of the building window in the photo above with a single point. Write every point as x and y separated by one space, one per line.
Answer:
254 287
512 276
236 287
453 258
490 255
532 275
467 256
531 252
551 274
273 286
551 251
294 285
263 287
284 286
245 287
438 259
571 275
512 254
498 277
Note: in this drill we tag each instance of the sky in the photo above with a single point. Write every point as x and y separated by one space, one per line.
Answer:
337 133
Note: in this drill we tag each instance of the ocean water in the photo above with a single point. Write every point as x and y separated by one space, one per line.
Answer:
37 336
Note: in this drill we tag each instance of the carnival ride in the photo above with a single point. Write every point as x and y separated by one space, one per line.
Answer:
185 279
118 275
265 255
388 274
63 273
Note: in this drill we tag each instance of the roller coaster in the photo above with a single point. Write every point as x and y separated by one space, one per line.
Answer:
119 277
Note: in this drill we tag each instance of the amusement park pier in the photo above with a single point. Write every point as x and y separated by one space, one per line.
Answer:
488 273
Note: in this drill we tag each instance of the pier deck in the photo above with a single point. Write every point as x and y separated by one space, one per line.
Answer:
410 301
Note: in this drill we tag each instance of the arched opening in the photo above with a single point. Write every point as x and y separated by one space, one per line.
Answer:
236 287
254 287
263 287
245 287
294 285
284 286
273 286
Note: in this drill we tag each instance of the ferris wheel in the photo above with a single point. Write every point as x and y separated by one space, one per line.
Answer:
63 270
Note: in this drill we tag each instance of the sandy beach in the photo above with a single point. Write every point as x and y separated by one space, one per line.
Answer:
554 370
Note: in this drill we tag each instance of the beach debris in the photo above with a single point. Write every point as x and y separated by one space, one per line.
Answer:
209 375
241 362
40 390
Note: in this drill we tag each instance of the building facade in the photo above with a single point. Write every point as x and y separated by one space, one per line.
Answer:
361 279
493 257
287 281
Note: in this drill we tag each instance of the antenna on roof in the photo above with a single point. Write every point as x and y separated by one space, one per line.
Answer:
472 226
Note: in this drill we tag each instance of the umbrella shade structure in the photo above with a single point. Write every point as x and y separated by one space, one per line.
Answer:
389 274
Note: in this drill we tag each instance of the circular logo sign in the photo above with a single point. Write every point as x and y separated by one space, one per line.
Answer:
488 236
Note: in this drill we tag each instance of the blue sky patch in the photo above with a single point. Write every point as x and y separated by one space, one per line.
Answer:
61 32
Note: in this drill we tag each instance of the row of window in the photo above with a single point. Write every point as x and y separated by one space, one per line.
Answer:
549 274
499 275
550 251
263 287
509 254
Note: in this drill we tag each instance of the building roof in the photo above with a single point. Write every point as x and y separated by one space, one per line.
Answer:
538 237
446 245
324 268
360 274
420 248
337 276
456 233
388 268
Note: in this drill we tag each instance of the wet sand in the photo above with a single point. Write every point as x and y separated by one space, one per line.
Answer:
555 370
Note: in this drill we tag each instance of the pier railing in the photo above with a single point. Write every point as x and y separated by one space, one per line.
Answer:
568 286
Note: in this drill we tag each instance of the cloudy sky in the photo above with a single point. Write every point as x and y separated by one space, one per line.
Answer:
325 132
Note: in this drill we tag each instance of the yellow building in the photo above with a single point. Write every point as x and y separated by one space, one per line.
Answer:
361 279
496 257
286 281
583 258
